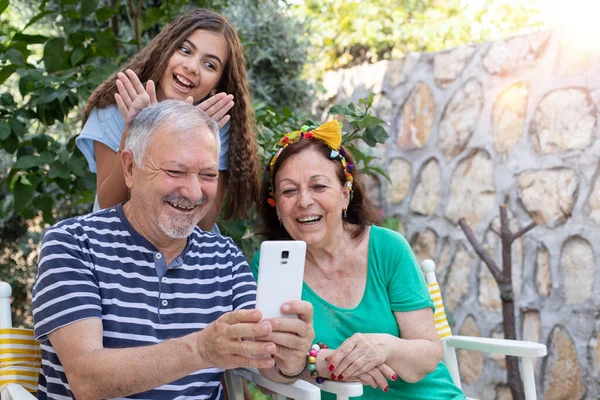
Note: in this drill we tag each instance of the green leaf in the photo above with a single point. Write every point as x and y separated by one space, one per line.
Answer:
4 130
391 223
78 55
72 14
104 13
6 72
374 134
88 7
58 170
10 144
54 52
371 121
3 5
26 162
70 2
338 109
40 142
153 15
22 192
44 204
35 19
15 57
382 173
17 126
30 39
48 95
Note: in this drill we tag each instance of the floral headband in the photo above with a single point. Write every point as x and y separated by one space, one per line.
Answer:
330 133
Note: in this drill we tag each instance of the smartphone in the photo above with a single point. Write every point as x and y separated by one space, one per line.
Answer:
280 276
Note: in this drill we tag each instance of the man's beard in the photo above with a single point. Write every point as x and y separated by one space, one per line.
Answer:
180 226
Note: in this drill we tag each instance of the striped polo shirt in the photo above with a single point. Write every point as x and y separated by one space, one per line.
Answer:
98 266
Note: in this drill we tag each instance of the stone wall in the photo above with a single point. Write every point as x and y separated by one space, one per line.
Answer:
513 122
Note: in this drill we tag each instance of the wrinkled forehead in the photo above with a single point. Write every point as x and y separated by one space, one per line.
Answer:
175 144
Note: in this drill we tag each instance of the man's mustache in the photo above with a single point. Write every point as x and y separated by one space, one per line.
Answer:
184 201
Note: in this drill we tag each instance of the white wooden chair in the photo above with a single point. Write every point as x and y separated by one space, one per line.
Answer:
20 362
526 351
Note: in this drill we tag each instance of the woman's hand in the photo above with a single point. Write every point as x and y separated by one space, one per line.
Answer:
217 107
293 337
358 355
376 378
132 97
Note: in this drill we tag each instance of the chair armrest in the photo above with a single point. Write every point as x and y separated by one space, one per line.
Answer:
12 391
300 390
507 347
347 389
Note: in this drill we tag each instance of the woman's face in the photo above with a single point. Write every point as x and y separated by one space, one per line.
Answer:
195 68
310 198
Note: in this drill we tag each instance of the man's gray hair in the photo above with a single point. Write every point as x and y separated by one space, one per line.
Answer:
180 116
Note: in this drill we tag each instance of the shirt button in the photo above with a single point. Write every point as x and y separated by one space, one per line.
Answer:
164 279
165 303
158 256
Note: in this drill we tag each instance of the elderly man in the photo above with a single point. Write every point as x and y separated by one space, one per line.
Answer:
137 300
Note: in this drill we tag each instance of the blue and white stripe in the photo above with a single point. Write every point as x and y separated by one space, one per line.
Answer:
98 266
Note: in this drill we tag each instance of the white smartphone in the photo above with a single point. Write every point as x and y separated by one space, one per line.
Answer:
280 276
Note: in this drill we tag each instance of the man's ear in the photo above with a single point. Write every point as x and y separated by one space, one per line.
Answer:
128 164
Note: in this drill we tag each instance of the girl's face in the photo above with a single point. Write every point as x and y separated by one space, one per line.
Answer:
195 68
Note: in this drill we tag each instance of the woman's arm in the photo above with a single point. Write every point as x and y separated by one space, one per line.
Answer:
213 214
414 355
420 349
110 183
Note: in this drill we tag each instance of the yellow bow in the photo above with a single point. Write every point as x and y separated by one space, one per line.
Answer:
330 133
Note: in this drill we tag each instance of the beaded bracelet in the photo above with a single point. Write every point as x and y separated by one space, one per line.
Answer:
312 361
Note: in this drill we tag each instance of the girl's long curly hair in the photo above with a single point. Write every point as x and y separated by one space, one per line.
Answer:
150 63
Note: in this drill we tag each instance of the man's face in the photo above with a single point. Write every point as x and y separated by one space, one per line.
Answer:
178 182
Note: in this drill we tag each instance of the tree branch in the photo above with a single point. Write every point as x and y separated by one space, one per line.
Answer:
491 264
114 23
523 231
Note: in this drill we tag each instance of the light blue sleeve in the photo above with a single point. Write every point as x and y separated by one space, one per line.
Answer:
104 125
224 156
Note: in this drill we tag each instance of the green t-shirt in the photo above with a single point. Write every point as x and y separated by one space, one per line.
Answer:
394 283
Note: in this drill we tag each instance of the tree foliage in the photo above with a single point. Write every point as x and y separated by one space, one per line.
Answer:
348 32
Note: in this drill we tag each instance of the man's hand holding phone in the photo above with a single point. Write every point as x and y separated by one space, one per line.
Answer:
292 337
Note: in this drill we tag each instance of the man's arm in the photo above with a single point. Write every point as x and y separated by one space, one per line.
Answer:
95 372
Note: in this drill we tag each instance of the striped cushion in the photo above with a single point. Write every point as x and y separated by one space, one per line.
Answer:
20 358
441 323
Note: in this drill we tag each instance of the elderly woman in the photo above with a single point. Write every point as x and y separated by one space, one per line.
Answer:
373 316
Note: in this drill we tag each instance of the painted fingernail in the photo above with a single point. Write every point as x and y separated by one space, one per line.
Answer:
394 377
340 377
386 389
331 367
332 377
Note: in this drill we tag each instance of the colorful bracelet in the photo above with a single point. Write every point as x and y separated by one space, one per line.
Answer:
312 361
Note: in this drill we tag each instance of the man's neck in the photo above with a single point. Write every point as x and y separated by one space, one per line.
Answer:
170 248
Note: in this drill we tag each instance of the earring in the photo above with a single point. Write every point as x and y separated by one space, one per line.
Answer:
344 213
213 92
280 224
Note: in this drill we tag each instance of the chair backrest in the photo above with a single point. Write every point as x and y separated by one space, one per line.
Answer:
440 319
20 353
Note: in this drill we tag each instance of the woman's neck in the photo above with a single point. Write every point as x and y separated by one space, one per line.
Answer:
325 256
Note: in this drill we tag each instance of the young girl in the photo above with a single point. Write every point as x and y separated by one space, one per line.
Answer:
194 57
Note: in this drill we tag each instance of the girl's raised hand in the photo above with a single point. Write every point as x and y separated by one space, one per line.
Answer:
217 107
132 97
